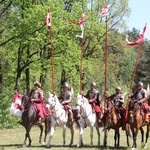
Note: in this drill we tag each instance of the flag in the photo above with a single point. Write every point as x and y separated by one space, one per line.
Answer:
48 19
104 10
138 41
81 23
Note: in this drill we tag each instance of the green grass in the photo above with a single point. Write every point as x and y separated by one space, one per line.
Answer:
12 139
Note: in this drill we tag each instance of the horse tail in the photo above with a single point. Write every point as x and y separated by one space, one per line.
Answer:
76 118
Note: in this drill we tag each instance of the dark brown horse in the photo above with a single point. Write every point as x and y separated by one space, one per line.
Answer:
136 121
30 118
113 122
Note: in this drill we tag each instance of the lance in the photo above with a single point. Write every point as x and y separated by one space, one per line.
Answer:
48 24
106 61
81 60
139 41
133 75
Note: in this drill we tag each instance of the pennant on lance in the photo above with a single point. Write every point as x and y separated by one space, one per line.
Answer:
81 23
48 19
104 11
138 41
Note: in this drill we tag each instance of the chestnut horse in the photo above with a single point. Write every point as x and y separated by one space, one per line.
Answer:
135 119
111 121
30 118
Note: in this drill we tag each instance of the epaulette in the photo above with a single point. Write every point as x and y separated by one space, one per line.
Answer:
39 90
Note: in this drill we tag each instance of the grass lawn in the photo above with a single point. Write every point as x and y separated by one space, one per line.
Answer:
12 139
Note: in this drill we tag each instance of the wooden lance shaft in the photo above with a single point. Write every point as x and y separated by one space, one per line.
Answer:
106 61
135 67
52 59
133 75
81 60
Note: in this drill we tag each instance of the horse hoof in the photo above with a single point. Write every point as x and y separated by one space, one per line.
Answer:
78 146
145 147
44 143
70 144
134 148
142 145
24 145
48 146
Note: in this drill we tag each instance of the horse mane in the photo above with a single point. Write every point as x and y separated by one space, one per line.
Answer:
86 100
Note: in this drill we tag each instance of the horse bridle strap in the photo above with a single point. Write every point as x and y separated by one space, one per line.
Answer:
57 117
86 116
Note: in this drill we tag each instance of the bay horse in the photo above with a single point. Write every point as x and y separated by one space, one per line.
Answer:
135 120
59 117
87 118
30 118
112 121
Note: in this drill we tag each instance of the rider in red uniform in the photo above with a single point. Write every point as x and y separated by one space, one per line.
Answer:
93 98
66 99
141 96
118 100
38 98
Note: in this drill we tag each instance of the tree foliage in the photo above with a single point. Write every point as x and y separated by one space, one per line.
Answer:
25 51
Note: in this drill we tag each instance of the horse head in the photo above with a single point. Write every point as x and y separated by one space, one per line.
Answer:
52 100
25 102
81 100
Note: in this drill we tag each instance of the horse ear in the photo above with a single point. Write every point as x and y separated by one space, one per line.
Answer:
49 94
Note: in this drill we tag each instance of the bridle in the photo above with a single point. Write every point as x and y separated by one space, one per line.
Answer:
55 118
25 102
81 109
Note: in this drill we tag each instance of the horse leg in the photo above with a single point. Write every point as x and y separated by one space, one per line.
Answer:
80 136
115 139
51 135
24 143
147 135
91 135
118 139
98 134
105 137
29 138
127 134
135 137
47 128
41 129
64 135
142 137
72 135
27 135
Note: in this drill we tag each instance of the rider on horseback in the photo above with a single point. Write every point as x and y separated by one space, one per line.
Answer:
141 96
93 98
38 97
66 99
118 101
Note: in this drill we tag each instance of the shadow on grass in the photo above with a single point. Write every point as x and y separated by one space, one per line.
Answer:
58 146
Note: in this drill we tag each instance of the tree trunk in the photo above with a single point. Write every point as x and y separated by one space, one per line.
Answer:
1 76
27 71
18 68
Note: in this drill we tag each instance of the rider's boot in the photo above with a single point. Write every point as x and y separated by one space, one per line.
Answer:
70 117
99 120
40 120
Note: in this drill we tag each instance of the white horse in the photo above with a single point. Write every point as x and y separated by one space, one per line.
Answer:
59 117
88 118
